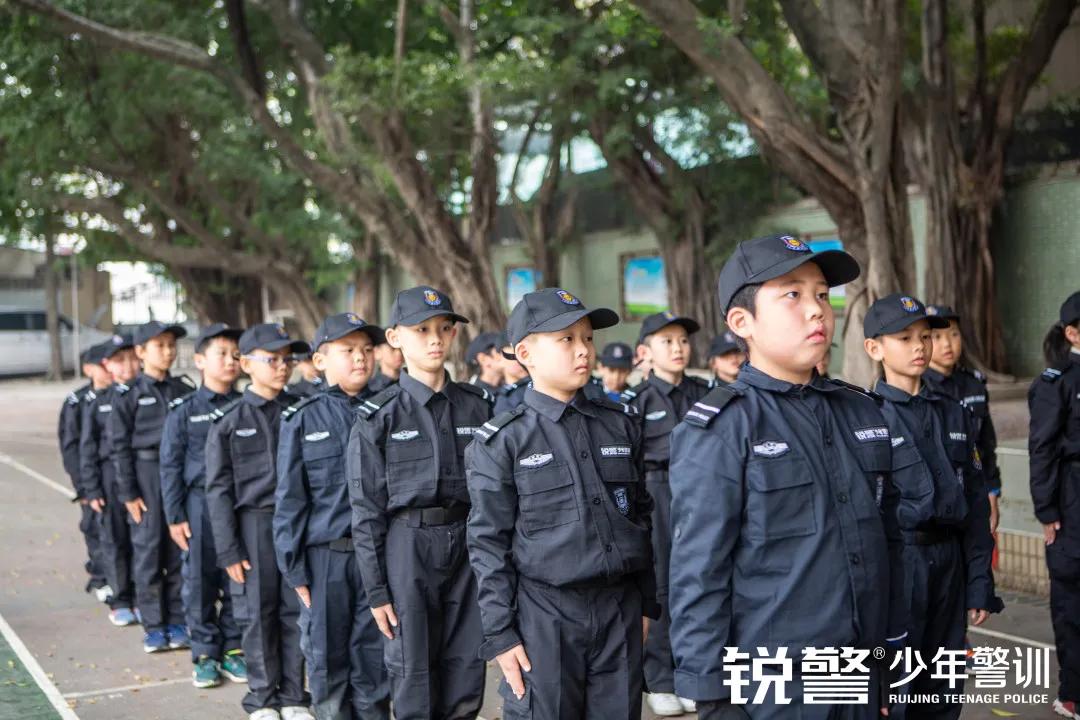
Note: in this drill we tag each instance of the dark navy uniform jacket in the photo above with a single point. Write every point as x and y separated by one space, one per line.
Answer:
69 432
940 478
1054 451
241 466
183 442
407 451
306 388
380 382
95 447
137 419
511 395
558 497
785 531
968 387
662 406
311 503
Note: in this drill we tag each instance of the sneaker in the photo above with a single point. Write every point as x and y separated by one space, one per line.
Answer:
664 704
234 666
122 617
265 714
1066 708
178 637
155 641
688 705
205 674
296 712
103 594
138 616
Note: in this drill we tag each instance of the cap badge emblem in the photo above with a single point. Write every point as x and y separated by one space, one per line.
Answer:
568 298
795 244
909 304
432 298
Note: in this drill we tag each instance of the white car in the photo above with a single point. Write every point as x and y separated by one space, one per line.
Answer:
24 341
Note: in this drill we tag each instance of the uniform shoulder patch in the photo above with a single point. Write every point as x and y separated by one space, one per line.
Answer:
1050 374
856 389
121 388
90 396
624 408
979 375
631 393
705 410
376 402
291 411
185 380
477 390
72 399
177 402
224 410
491 428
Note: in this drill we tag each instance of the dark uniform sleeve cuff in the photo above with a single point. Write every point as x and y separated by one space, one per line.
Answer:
378 596
701 687
177 519
225 558
297 577
651 611
1047 516
499 644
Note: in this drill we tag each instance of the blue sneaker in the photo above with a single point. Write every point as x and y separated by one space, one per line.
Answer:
234 667
178 637
122 617
205 673
155 641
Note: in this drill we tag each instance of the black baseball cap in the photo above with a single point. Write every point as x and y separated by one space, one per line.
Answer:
943 311
94 354
482 343
1070 309
617 355
552 309
895 312
415 305
115 344
271 337
335 327
661 320
216 330
150 330
724 343
765 258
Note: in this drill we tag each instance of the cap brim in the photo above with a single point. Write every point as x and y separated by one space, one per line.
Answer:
600 318
177 331
376 333
936 323
233 333
723 350
424 315
620 363
293 346
689 324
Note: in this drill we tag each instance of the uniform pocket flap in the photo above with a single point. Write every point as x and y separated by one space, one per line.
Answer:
320 449
875 458
769 475
905 455
549 477
401 451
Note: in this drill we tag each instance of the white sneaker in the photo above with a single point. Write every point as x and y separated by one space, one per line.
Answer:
688 705
103 594
265 714
664 704
1066 709
296 712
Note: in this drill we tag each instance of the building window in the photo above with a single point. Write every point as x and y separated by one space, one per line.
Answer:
643 288
520 279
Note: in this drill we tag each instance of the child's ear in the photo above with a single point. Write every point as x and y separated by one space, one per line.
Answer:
1072 334
873 349
740 321
319 361
393 338
200 361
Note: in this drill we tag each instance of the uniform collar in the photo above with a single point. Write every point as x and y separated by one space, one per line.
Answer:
934 376
662 385
1074 355
422 393
148 381
337 392
553 409
756 378
255 399
205 393
896 395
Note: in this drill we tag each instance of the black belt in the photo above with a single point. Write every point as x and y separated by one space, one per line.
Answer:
342 545
930 536
424 517
151 454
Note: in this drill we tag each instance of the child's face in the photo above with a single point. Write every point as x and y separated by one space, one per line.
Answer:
267 369
726 366
559 360
219 361
96 373
490 363
668 349
347 362
425 345
948 344
158 353
390 358
792 327
307 369
613 378
123 366
906 353
512 370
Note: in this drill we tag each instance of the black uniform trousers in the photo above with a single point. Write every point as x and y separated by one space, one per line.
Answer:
659 664
585 647
341 643
435 670
114 529
935 580
268 612
1064 568
155 557
213 630
95 553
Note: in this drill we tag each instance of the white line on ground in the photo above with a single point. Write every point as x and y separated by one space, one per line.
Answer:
47 482
1011 638
32 666
125 688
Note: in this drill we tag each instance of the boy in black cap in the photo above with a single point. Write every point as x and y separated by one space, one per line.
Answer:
662 400
97 477
390 360
409 500
137 420
69 431
784 513
943 511
615 364
215 636
313 528
241 477
947 376
310 381
559 529
484 357
726 356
